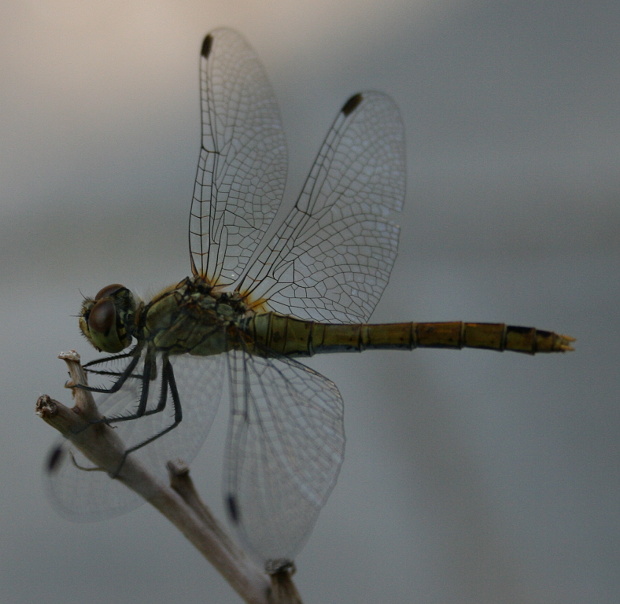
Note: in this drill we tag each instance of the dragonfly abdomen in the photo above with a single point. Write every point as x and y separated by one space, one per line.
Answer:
490 336
295 337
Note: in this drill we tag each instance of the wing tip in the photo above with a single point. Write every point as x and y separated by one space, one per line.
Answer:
207 45
53 461
351 105
233 508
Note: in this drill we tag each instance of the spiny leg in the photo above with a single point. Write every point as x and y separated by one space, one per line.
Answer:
122 376
168 381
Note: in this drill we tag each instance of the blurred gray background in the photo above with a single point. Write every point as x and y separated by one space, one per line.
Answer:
470 477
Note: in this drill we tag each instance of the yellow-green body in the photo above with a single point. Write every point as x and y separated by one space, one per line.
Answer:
193 318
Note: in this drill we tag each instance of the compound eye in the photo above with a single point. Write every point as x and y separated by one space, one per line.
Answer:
109 290
107 321
102 317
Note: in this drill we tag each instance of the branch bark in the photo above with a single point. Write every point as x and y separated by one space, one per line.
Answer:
179 502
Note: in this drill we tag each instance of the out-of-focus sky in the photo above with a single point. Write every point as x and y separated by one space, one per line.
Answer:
469 477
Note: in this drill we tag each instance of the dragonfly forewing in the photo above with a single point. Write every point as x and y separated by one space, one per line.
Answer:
243 159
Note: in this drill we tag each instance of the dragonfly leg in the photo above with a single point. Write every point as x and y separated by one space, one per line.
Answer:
144 396
168 382
122 377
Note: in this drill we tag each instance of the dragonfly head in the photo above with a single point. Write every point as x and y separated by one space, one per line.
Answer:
108 320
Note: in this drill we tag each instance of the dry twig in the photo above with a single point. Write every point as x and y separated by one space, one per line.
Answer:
178 502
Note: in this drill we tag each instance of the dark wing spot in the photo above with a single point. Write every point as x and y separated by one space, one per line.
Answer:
351 105
54 458
233 509
207 44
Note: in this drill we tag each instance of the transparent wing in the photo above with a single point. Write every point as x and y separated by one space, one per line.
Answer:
84 495
243 161
331 258
284 451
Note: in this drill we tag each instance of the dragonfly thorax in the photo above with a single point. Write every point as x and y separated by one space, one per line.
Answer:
108 320
192 317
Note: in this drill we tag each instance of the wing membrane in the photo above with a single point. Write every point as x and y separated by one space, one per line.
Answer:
284 451
331 258
91 495
243 161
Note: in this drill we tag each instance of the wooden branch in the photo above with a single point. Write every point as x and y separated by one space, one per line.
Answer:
178 502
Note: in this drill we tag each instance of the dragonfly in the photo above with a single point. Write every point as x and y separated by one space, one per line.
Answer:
259 299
